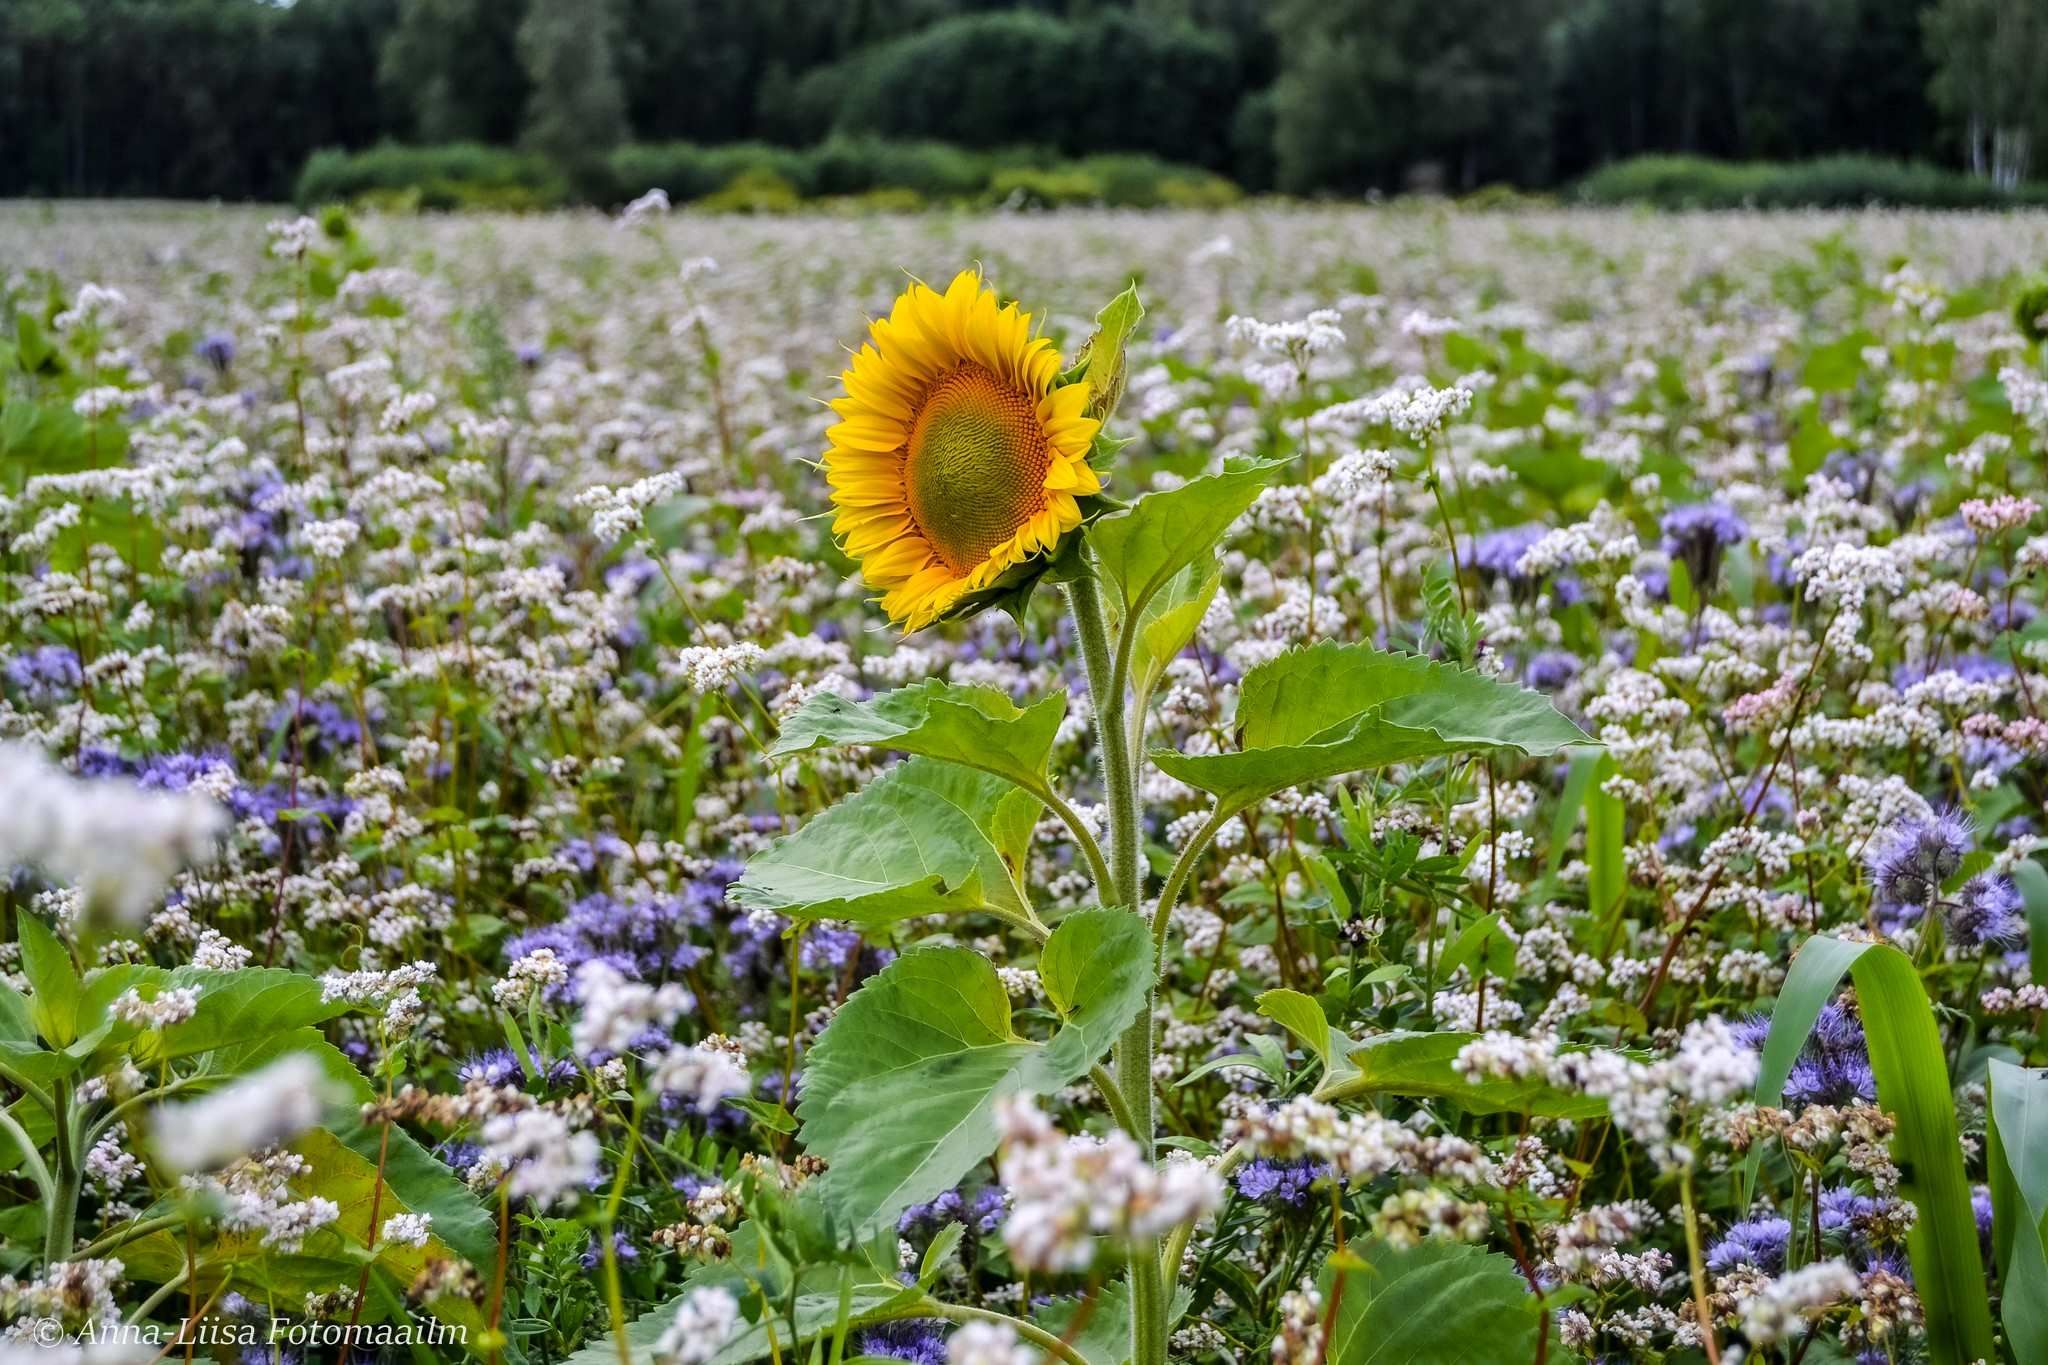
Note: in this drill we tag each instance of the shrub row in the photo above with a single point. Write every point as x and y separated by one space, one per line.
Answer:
1691 182
756 177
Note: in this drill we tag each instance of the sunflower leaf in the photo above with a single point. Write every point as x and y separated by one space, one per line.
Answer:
926 838
1143 547
1322 712
1435 1303
975 726
1171 619
1101 358
900 1091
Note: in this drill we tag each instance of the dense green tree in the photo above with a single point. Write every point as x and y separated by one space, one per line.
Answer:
1378 93
1112 82
228 97
576 111
454 66
182 97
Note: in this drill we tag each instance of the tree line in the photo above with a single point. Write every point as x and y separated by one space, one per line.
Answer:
199 98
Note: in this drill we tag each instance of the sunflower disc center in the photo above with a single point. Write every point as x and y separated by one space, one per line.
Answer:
975 465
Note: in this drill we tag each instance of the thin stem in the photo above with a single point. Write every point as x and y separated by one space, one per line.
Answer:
163 1291
1134 1049
122 1236
1701 1308
1117 779
960 1312
25 1086
30 1157
1083 836
1114 1098
1450 533
1183 868
1177 1240
614 1296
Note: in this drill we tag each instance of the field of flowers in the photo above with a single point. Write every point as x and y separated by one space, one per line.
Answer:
1467 790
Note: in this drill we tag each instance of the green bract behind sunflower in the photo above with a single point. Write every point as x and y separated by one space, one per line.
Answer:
966 456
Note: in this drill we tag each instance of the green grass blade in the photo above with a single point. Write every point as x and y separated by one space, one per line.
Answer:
2018 1159
1912 1085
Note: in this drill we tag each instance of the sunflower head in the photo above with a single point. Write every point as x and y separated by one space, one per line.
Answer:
961 455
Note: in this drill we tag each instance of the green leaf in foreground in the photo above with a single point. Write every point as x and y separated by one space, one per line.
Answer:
1101 358
1913 1085
1322 712
1414 1064
1435 1303
808 1313
900 1092
2032 880
339 1171
975 726
2018 1162
925 838
1170 620
1142 547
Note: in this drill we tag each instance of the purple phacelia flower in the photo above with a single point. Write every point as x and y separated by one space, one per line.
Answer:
921 1341
216 349
1910 860
1278 1183
1986 913
1698 536
1498 554
1758 1242
47 673
1551 669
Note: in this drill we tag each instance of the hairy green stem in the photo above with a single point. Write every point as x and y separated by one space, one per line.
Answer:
1134 1049
61 1209
1113 1096
1090 850
1105 695
1183 868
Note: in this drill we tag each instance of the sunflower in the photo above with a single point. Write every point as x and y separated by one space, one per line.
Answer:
958 455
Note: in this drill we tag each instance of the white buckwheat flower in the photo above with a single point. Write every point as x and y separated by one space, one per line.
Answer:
260 1110
705 1320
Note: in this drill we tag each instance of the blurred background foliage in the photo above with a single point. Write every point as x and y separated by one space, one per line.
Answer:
765 103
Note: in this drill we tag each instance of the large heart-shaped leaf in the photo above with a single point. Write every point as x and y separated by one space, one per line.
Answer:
331 1255
925 838
900 1092
1435 1303
975 726
239 1005
1321 712
1170 620
1142 547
